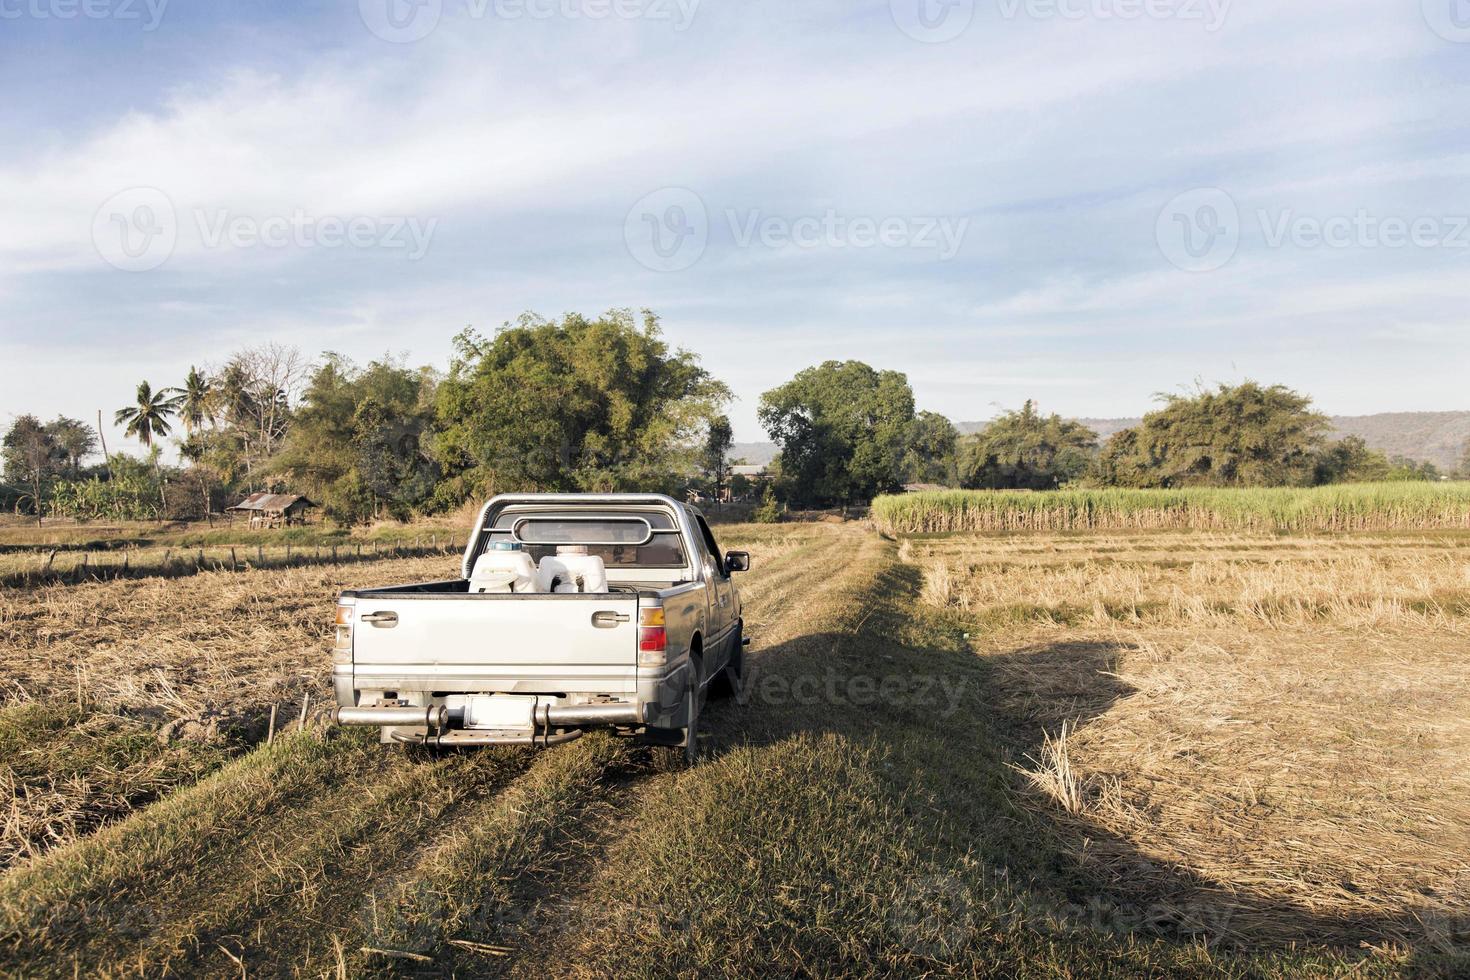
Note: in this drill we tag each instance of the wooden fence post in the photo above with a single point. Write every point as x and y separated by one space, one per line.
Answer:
233 566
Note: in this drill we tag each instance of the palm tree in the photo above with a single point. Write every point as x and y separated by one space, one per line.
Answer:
148 420
196 400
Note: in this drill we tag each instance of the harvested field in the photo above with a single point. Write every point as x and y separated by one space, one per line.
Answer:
1142 755
1293 740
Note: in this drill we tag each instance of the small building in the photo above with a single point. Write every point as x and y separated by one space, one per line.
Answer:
272 509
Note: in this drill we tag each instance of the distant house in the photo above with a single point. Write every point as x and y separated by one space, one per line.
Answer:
752 472
272 509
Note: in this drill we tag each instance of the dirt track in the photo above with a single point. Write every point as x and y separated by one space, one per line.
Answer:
297 856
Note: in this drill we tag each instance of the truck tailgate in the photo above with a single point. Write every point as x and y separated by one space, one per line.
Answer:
496 642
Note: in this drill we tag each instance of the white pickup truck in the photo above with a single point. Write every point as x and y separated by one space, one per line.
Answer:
455 663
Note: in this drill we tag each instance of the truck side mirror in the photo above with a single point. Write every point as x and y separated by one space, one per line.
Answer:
737 561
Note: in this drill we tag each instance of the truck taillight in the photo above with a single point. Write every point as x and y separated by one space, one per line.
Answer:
342 639
653 638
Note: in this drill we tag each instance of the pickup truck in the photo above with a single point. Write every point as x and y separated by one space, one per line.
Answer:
440 664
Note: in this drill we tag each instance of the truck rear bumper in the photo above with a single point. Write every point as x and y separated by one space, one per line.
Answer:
544 724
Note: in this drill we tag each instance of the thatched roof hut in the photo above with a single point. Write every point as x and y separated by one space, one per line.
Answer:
273 509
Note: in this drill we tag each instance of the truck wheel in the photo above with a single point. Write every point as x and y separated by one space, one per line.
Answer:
727 685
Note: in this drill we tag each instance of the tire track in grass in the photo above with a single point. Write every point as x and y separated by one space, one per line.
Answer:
788 603
293 858
267 841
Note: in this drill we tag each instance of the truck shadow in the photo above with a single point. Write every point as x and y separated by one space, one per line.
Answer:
957 729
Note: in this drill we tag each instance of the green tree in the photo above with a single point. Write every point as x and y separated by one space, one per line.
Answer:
75 440
147 421
843 429
714 461
32 457
359 440
1349 460
1025 450
930 456
1241 436
769 511
572 405
196 400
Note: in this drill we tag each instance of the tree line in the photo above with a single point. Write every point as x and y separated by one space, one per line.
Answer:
604 405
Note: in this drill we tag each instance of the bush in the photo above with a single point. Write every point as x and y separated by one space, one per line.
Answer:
769 511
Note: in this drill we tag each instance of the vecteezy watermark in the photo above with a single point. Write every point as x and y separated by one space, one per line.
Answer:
933 915
1363 229
1450 19
406 21
669 230
941 696
137 230
220 228
1211 14
932 21
831 229
148 12
1201 230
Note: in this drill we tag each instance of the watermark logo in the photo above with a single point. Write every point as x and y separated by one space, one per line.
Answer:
832 230
407 21
401 21
1211 14
1199 231
136 230
932 21
220 228
934 915
1450 19
668 230
148 12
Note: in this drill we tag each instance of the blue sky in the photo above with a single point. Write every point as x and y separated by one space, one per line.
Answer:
1080 201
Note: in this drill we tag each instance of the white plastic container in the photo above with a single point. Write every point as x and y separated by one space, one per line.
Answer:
571 569
504 568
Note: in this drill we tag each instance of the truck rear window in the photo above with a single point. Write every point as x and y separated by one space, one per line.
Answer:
588 531
622 541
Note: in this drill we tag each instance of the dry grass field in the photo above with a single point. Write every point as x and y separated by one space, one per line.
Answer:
1138 754
1277 730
